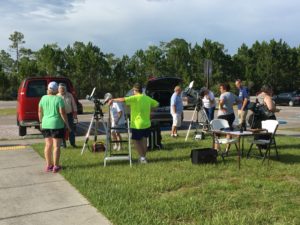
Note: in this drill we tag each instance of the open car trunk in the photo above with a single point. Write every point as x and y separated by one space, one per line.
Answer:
161 89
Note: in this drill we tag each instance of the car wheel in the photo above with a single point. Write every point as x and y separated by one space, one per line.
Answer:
22 131
291 103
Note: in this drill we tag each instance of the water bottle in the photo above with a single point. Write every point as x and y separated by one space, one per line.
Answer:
241 128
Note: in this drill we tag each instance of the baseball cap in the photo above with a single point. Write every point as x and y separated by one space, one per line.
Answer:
53 86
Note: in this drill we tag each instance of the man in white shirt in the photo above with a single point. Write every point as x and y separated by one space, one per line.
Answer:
71 111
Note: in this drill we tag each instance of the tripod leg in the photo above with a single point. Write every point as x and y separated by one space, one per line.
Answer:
87 135
187 134
96 129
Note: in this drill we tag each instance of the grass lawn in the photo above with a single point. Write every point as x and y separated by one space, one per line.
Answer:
170 190
8 112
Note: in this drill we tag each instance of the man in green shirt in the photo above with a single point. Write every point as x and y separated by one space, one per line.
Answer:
140 109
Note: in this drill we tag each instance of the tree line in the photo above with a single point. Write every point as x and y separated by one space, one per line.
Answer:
273 62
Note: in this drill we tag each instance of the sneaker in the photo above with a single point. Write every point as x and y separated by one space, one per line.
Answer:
74 146
175 135
48 168
142 160
56 169
115 147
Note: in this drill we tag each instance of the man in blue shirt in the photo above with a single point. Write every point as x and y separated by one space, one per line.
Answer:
244 102
176 108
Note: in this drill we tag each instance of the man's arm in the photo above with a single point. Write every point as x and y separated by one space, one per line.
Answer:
173 108
116 100
63 115
244 103
74 106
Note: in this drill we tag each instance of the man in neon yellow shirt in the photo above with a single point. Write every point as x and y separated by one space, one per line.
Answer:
140 109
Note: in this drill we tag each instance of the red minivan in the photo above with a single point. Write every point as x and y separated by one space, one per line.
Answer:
29 94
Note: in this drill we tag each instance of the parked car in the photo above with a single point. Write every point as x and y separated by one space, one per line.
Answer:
29 94
161 89
288 98
189 98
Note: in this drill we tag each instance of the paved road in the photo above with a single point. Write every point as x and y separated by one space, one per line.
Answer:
9 129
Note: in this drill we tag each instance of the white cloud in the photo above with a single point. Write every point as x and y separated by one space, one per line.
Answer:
122 27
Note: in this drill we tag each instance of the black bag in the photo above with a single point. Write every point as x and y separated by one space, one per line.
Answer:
204 155
154 139
266 112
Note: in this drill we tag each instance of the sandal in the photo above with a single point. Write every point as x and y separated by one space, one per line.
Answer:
49 168
56 169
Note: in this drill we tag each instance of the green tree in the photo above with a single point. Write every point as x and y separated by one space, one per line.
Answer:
178 60
17 39
50 60
86 65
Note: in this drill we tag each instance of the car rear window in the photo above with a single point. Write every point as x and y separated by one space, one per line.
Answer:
36 88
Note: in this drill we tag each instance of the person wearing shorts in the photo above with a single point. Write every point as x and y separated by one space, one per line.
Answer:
53 118
117 119
140 109
176 110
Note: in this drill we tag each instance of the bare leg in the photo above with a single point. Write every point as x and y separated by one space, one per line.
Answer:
141 147
47 151
114 138
174 130
114 135
56 151
119 138
144 143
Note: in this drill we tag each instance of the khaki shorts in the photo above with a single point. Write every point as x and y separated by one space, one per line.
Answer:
176 120
242 116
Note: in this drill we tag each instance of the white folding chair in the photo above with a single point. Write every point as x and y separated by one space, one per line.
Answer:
266 140
222 125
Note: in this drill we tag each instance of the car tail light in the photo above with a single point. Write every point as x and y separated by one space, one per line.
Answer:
22 91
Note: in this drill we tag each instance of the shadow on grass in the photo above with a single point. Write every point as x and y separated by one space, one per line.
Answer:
85 166
290 146
172 158
287 158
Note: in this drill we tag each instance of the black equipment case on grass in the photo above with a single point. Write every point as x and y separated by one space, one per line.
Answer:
204 155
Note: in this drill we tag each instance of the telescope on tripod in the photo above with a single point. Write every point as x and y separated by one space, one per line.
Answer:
96 118
202 120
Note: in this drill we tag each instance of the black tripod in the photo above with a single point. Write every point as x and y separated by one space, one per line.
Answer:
97 116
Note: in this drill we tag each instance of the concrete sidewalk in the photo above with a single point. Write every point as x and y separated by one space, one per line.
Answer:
30 196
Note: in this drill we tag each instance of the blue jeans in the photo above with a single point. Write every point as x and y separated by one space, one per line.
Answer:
72 126
210 112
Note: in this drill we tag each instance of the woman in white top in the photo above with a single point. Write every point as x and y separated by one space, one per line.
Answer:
209 103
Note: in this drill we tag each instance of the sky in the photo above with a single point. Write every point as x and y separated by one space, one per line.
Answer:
125 26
